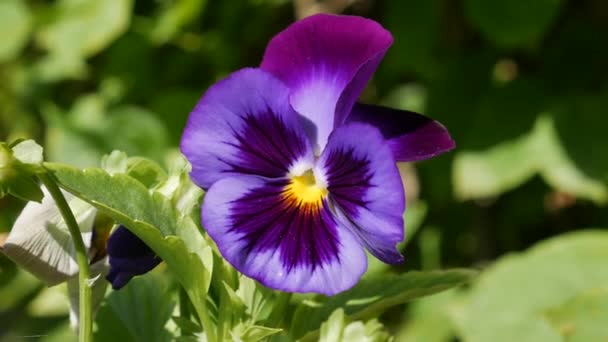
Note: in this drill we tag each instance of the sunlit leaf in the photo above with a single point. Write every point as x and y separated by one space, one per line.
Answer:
582 318
173 18
511 163
85 27
507 301
428 319
150 216
372 296
15 26
338 329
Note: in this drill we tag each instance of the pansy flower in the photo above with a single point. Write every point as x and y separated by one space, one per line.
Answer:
300 178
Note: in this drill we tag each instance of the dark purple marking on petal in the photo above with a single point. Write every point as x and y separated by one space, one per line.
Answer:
267 235
128 256
411 136
365 188
326 61
244 125
266 146
270 219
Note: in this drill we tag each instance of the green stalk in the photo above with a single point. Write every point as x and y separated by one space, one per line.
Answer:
85 310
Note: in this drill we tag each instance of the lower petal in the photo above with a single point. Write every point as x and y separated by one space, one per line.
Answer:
365 187
411 136
283 244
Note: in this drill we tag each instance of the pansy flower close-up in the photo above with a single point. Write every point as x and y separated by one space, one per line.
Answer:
301 178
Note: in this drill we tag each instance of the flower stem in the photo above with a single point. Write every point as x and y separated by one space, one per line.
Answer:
85 312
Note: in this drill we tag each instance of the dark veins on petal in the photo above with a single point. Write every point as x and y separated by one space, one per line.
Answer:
272 220
348 179
267 146
129 256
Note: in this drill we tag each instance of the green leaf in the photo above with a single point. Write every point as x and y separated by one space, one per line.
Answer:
252 333
582 318
135 131
187 326
172 19
115 162
258 300
513 23
507 300
89 131
173 237
85 27
17 178
509 164
428 318
15 27
580 126
146 171
337 329
28 152
138 312
370 297
332 329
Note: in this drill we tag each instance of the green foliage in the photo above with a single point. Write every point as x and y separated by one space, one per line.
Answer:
15 27
521 86
582 318
138 312
337 329
511 163
78 29
519 288
91 129
18 165
513 23
172 236
372 296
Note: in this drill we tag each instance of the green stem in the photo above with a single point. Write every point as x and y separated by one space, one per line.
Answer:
204 318
85 312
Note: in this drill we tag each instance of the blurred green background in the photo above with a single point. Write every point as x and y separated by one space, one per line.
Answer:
521 85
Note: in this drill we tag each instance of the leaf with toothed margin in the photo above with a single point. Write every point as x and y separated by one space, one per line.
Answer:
372 296
150 216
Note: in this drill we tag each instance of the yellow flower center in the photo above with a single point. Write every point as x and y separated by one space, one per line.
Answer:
305 190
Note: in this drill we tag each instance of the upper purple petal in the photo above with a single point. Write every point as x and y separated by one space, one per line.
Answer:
281 243
128 256
244 125
411 136
326 61
365 188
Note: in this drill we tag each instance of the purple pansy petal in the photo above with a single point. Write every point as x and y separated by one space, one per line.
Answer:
326 61
283 244
365 187
411 136
244 125
128 257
